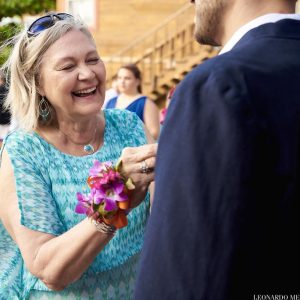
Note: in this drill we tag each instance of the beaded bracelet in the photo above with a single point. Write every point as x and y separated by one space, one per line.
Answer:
105 228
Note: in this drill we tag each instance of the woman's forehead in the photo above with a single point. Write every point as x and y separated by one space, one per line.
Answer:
72 44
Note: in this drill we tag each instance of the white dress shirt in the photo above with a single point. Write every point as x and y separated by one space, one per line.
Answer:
269 18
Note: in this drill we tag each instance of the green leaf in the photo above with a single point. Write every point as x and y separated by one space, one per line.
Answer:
13 8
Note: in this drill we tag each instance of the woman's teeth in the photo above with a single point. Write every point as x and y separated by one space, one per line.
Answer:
84 93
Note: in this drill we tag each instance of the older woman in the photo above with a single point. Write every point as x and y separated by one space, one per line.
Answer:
56 93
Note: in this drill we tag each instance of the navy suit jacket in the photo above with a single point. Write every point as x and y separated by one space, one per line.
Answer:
225 222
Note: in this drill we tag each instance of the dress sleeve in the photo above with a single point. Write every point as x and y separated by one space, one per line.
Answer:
37 206
127 126
134 127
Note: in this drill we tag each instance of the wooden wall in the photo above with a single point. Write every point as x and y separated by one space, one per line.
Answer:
119 22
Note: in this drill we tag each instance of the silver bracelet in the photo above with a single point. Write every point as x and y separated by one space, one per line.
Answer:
104 228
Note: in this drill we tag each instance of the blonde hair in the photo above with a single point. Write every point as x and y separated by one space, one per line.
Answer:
23 70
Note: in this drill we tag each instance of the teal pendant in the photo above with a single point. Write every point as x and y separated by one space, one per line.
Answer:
89 149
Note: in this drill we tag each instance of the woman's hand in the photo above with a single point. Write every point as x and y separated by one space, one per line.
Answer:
138 163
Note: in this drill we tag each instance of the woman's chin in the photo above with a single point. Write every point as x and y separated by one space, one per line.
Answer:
89 108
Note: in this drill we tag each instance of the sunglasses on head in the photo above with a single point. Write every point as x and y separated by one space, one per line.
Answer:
46 22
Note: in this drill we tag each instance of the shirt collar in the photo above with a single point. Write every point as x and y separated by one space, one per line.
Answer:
269 18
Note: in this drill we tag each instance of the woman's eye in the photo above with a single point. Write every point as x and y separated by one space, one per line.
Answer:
93 60
68 67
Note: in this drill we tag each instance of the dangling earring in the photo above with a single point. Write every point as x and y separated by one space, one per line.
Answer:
44 109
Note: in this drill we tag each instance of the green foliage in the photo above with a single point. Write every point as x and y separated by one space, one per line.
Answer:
11 8
4 55
7 31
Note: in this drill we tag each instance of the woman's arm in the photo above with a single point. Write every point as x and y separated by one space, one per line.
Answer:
61 260
151 118
132 158
57 261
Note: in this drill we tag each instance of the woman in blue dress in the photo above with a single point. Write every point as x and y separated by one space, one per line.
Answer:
129 81
57 87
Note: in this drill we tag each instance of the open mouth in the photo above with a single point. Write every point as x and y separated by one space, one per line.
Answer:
85 93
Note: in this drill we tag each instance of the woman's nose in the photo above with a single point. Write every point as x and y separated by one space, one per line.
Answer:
85 73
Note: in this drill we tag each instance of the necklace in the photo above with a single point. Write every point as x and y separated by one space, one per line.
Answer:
87 148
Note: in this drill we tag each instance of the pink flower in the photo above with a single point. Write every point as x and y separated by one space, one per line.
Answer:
110 193
109 176
99 167
84 205
108 188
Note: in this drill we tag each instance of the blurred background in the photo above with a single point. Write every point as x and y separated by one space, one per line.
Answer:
156 35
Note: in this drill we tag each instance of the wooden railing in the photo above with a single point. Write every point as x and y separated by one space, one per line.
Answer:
159 50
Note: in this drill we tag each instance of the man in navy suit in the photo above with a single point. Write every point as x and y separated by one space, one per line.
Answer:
225 222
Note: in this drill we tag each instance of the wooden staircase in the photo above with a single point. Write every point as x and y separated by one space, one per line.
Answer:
164 55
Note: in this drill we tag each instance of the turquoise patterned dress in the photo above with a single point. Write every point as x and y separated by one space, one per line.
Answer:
47 181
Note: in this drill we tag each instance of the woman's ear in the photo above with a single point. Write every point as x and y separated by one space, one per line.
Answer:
39 86
40 91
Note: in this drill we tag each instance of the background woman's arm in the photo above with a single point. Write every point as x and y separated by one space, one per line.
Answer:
151 118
